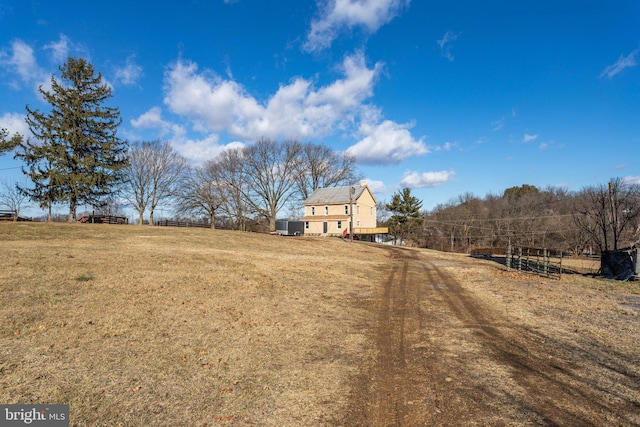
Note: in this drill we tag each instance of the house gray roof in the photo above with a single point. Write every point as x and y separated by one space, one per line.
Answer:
334 195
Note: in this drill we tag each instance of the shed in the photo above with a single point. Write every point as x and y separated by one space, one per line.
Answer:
289 228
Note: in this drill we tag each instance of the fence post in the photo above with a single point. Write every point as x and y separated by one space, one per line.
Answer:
545 260
520 258
560 275
508 256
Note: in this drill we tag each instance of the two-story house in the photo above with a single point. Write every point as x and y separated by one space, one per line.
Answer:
330 212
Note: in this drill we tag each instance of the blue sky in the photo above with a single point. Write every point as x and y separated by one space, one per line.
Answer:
446 98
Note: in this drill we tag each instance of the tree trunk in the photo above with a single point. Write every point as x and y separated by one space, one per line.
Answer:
141 218
72 210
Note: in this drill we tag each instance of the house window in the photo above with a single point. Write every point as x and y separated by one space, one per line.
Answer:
371 213
358 223
339 225
306 225
346 209
326 210
313 210
358 209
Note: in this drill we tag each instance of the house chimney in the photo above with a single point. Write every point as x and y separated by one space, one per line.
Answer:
363 183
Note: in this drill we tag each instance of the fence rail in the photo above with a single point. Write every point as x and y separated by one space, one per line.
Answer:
103 219
540 261
11 216
169 223
6 215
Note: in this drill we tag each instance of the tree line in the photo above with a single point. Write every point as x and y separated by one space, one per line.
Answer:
253 183
594 219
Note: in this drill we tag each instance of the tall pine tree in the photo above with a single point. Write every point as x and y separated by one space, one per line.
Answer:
78 157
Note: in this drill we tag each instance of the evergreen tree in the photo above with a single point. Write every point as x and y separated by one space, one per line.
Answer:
78 157
8 143
40 167
405 214
522 191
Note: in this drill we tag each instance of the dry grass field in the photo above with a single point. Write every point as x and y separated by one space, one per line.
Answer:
141 326
150 326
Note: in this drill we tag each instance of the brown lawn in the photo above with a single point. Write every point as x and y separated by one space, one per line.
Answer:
140 326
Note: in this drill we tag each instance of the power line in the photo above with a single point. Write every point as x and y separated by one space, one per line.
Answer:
502 233
521 218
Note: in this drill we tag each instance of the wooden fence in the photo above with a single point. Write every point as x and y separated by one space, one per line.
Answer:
103 219
6 215
544 262
11 216
170 223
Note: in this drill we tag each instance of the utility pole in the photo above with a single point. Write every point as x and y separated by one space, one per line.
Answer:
614 214
351 191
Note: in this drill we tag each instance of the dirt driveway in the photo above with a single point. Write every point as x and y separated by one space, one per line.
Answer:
462 342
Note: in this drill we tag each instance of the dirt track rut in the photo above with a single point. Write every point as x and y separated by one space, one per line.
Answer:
445 359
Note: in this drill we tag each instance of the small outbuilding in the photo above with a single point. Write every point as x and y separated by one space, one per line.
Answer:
289 228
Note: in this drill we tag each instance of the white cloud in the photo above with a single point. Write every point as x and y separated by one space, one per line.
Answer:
447 146
129 73
528 138
297 110
498 124
622 63
446 44
543 146
193 149
376 187
632 179
215 105
414 179
151 119
340 15
203 149
59 49
387 142
14 123
22 61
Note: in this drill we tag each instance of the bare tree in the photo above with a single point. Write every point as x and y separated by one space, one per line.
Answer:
154 176
12 198
204 192
522 215
272 168
234 185
608 213
169 171
137 188
110 206
321 167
